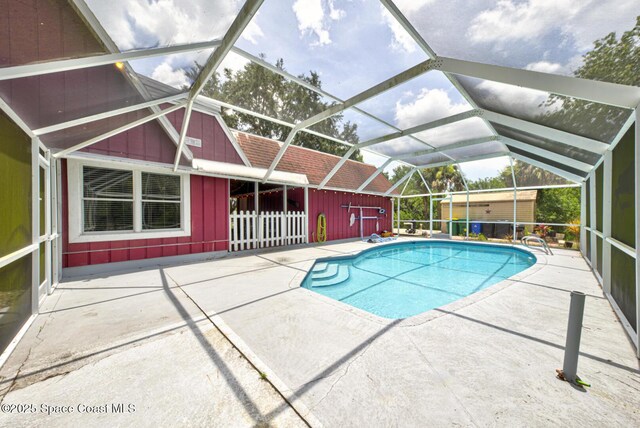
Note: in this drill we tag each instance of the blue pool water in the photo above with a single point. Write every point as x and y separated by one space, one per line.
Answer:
402 280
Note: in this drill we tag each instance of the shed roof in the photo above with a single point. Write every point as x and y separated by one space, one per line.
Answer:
316 165
522 195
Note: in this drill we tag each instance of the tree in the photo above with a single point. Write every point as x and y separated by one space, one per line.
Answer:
560 205
611 60
257 89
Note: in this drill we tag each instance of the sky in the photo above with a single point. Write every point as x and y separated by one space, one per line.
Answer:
355 44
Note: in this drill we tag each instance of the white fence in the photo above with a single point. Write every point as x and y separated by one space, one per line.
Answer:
250 230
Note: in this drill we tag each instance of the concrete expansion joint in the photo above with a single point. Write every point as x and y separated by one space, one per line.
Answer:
307 418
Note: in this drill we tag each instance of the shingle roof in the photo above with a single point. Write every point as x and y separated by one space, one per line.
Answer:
316 165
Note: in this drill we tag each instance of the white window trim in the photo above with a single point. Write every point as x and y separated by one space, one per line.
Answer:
74 186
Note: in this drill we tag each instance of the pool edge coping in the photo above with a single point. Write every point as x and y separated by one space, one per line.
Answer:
431 314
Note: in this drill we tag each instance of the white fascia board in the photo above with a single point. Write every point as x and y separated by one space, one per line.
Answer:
567 138
590 90
244 172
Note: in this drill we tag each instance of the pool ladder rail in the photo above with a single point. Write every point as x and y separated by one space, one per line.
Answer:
536 239
327 274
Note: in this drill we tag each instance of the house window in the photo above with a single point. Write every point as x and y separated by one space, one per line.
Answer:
113 203
160 201
107 199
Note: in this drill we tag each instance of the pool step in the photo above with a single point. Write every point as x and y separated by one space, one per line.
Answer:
339 278
320 267
329 272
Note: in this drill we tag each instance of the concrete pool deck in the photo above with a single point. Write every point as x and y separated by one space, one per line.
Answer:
148 337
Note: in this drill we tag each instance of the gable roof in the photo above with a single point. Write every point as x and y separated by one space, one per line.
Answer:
316 165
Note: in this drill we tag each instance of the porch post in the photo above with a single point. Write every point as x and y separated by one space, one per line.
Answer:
606 221
637 205
450 216
430 216
306 211
583 219
592 223
35 223
256 208
283 227
398 199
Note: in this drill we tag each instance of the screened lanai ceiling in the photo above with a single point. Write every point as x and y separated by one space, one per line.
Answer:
427 82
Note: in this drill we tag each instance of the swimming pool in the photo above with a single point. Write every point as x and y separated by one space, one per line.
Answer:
405 279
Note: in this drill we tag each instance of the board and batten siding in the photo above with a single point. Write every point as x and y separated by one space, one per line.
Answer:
329 203
209 230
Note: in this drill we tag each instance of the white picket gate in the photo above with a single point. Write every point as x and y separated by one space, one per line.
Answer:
268 229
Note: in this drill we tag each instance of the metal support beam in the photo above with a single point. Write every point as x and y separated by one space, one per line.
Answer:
420 128
573 163
458 145
86 14
373 176
106 115
309 86
583 219
406 183
593 238
35 225
399 182
560 172
243 18
392 82
469 159
58 66
515 202
126 127
637 224
183 133
424 181
337 167
567 138
415 35
590 90
606 220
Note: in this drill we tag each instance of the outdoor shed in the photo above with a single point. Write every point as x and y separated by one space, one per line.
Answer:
492 207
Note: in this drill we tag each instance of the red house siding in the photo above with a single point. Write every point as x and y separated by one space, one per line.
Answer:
209 230
329 203
208 129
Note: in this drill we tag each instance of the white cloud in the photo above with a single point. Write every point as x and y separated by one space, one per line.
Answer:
410 6
401 40
546 67
313 18
233 62
252 31
143 23
522 21
166 74
430 104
